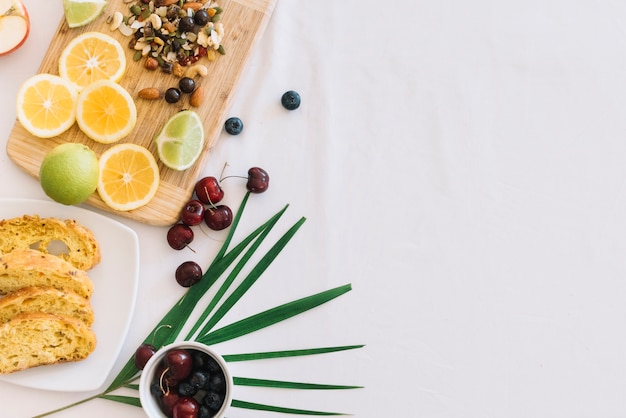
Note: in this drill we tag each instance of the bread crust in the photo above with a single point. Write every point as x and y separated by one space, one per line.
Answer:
32 231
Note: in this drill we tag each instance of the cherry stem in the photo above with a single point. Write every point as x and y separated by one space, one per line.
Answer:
165 392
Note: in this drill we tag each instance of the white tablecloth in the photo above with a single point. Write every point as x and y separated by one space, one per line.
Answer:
462 164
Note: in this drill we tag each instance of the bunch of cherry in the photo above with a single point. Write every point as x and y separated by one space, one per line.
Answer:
205 207
189 383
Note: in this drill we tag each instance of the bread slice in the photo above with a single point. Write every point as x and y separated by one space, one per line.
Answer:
45 300
37 339
82 249
25 268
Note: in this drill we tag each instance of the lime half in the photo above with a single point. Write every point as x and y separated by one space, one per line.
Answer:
180 142
80 12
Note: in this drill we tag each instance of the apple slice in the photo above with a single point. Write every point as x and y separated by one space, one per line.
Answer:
14 25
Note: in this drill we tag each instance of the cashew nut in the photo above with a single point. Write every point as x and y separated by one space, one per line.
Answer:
116 21
156 21
197 69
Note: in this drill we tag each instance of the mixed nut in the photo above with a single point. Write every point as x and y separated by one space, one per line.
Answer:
172 34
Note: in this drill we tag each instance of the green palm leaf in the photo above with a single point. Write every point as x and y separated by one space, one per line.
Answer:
287 353
261 407
272 316
267 383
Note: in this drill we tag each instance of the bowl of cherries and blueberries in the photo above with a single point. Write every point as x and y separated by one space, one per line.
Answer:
205 207
184 379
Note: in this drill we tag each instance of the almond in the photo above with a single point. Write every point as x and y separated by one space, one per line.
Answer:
149 93
195 6
197 97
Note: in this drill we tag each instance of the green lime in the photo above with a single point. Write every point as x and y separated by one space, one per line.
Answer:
69 173
80 12
180 142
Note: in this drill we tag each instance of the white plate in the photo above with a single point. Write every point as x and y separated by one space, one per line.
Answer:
115 281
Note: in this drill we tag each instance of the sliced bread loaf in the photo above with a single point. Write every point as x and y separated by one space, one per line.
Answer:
37 339
45 300
26 268
81 248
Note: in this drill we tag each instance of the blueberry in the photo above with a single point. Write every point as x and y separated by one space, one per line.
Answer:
217 382
186 85
213 400
201 17
172 95
186 24
233 126
290 100
186 389
200 359
205 412
199 379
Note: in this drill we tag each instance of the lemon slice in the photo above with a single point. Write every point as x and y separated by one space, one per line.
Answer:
46 105
129 176
81 12
90 57
106 112
180 141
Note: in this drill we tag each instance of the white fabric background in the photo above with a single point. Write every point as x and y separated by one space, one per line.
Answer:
462 164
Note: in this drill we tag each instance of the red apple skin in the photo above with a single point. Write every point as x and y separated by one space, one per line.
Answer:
26 17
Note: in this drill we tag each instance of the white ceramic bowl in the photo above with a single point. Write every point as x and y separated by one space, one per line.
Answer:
149 402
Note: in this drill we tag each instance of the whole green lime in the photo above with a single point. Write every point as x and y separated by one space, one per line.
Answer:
69 173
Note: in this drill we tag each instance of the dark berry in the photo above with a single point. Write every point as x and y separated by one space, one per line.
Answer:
179 236
217 382
192 213
200 359
172 95
201 17
233 125
143 353
187 85
290 100
187 389
213 400
186 24
258 180
200 379
218 217
205 412
188 274
208 190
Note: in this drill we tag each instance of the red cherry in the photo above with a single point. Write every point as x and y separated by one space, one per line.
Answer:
168 401
143 353
209 191
186 407
179 236
179 363
188 274
258 180
218 217
192 213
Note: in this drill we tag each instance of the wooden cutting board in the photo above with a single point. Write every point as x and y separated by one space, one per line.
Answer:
244 23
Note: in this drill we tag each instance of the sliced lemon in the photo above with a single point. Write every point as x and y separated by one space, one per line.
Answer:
90 57
180 141
46 105
81 12
129 176
106 112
